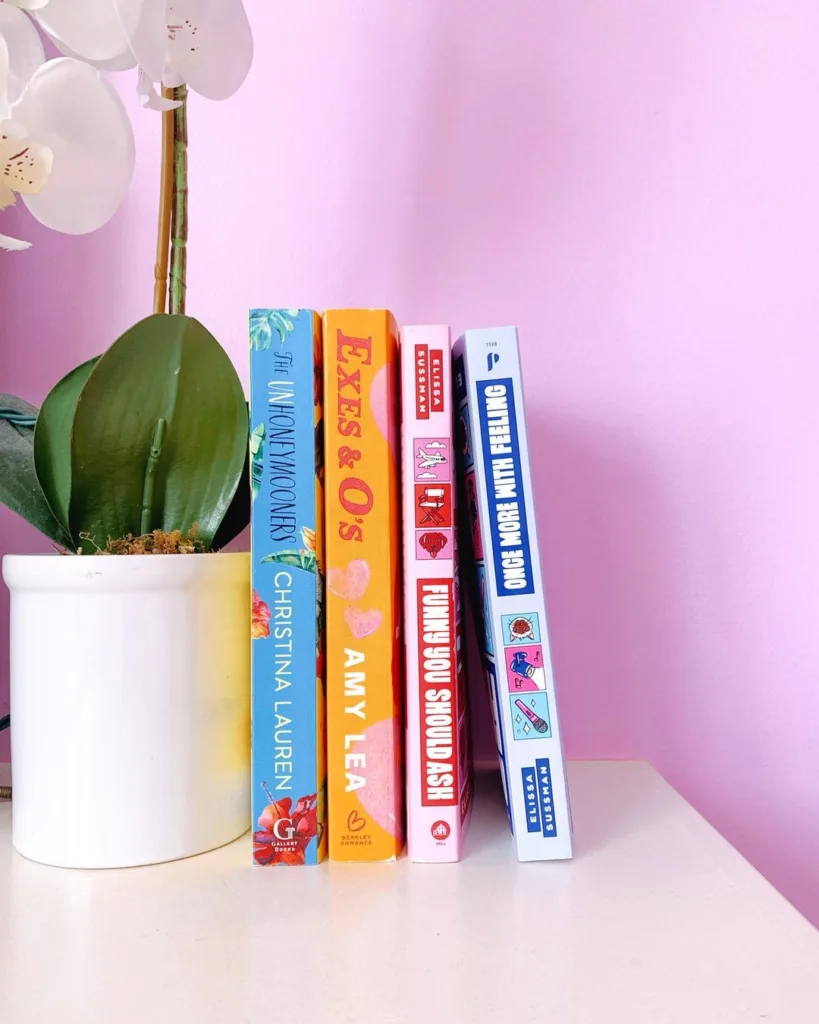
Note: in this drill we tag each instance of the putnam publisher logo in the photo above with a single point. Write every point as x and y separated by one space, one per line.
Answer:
437 688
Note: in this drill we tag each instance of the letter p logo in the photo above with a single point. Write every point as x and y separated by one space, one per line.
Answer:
492 360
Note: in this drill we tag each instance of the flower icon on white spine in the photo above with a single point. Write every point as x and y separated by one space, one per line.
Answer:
205 44
66 144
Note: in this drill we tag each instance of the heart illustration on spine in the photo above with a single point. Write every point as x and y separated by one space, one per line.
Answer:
361 623
382 744
350 583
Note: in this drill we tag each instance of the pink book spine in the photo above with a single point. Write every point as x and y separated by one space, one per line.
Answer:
439 778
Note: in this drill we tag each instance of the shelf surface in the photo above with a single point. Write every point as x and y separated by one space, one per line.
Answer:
657 921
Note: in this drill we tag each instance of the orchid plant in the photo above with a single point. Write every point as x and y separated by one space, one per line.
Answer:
204 44
152 436
66 144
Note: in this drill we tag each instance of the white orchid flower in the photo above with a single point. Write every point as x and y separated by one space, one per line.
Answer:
26 5
25 167
21 53
205 44
66 144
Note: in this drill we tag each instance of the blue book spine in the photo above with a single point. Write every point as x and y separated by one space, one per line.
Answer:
288 698
503 568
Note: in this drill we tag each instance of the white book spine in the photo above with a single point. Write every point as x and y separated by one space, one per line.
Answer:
505 573
439 780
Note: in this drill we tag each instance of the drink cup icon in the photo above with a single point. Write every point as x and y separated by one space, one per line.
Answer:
521 665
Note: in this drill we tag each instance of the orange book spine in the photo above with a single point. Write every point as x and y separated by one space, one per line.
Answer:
363 557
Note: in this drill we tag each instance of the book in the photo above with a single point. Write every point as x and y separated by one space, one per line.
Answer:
288 700
439 777
364 656
505 577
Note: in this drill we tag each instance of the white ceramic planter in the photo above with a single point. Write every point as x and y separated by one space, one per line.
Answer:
130 706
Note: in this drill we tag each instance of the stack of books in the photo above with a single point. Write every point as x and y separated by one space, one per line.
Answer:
388 473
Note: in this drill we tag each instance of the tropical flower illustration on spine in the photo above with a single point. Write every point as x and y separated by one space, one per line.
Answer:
260 622
265 324
284 832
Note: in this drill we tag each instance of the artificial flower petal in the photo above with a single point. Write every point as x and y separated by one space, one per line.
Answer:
150 97
25 165
210 45
22 53
13 244
145 24
206 43
7 197
5 106
89 28
121 62
27 5
70 108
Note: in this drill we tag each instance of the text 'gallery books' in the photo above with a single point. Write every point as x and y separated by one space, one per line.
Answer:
439 782
503 566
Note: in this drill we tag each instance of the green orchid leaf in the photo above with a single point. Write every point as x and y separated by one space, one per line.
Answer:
237 516
160 428
52 439
19 488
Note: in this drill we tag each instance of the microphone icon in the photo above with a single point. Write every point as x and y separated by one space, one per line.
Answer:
538 723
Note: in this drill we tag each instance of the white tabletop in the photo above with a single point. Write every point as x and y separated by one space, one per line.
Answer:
657 920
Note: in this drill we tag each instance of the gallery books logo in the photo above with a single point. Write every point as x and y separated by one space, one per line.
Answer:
492 360
283 830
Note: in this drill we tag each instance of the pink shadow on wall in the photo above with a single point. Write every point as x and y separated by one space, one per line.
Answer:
615 622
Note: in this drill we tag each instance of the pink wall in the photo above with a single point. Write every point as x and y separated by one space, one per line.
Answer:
635 185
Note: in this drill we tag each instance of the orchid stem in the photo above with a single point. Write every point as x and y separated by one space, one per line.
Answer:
179 234
163 233
150 477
